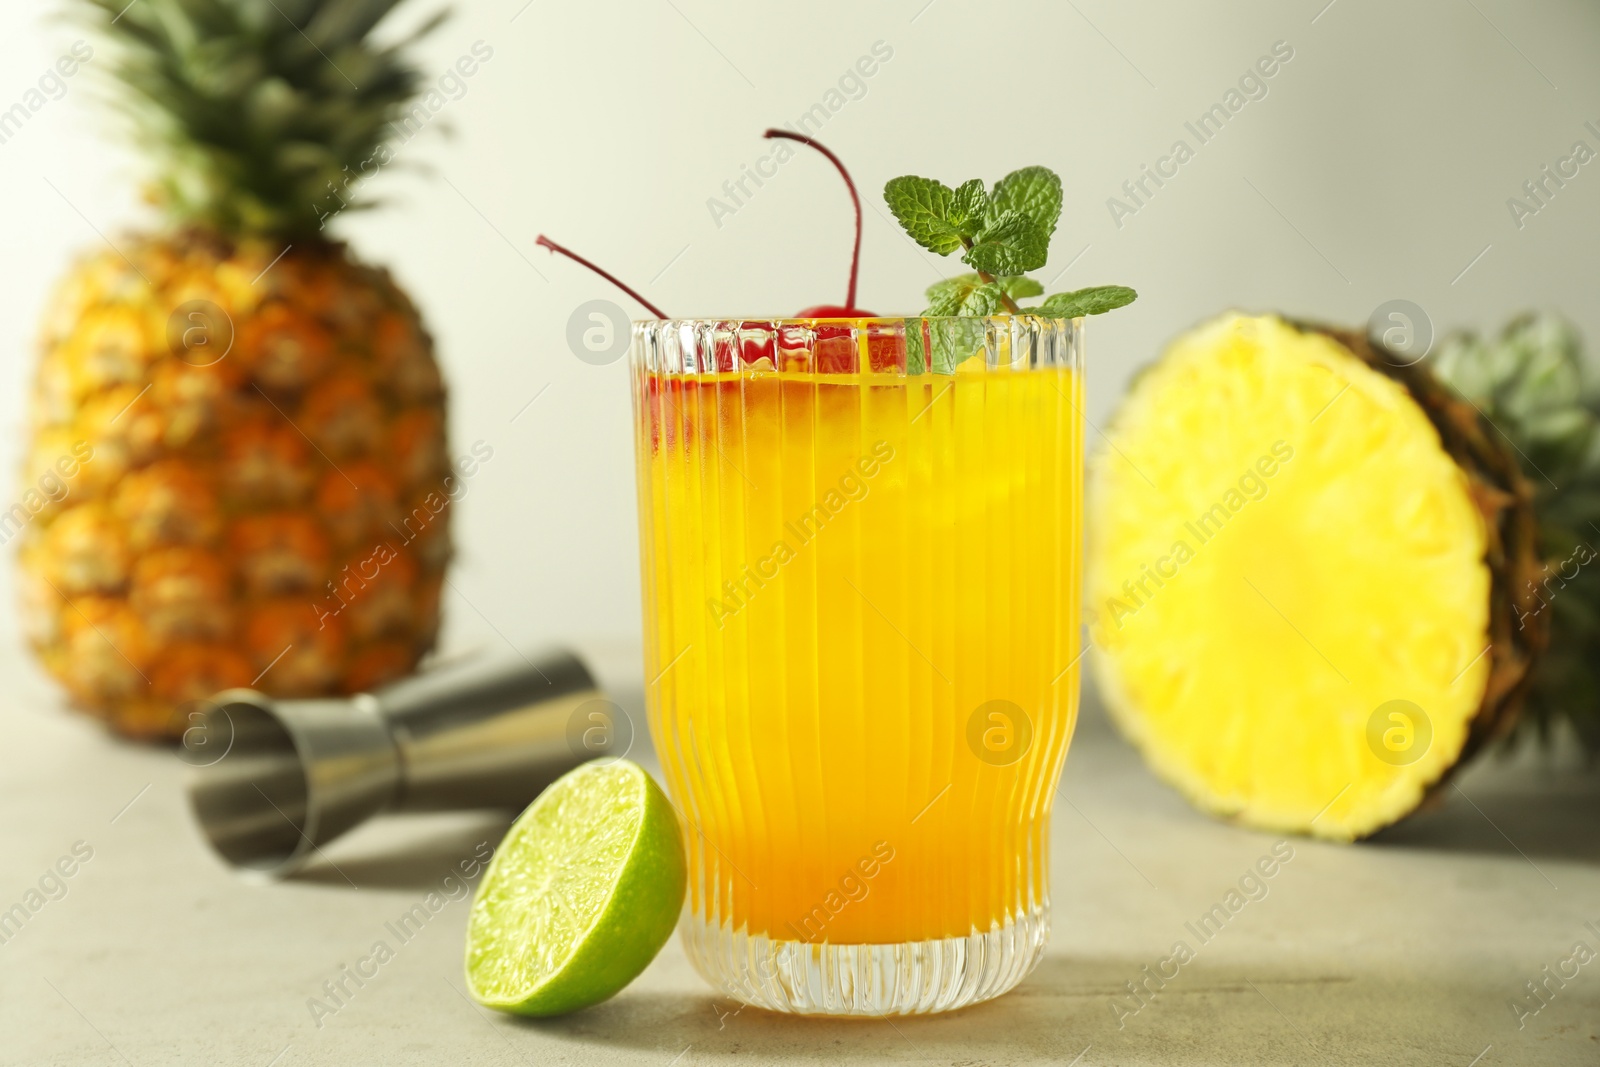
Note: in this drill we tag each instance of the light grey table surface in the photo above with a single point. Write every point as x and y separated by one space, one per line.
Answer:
1408 949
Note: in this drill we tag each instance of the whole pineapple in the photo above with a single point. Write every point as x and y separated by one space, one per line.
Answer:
238 471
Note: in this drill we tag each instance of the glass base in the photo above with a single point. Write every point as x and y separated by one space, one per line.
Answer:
909 978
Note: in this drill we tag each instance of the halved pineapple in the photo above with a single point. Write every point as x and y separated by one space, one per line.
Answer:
1298 577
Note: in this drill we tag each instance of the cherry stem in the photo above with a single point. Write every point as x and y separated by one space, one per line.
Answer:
855 256
607 275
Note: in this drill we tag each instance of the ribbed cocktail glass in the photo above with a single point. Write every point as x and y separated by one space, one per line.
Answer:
861 557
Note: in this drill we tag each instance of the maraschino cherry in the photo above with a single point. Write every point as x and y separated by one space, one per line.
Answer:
834 311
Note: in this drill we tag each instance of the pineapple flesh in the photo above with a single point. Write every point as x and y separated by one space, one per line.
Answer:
239 427
1287 549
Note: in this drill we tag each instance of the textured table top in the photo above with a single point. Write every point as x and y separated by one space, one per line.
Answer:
1409 949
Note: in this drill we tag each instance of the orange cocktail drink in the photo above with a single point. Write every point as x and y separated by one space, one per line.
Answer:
861 577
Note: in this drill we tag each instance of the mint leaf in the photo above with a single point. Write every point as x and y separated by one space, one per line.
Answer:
1094 301
984 300
947 302
923 208
968 207
954 341
1009 243
1020 287
961 283
1035 192
1014 286
916 349
975 299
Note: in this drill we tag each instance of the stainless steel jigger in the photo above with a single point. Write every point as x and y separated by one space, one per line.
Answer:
277 779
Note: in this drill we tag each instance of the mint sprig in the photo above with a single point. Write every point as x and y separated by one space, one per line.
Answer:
1002 235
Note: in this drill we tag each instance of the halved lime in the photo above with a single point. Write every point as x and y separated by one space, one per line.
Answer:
581 895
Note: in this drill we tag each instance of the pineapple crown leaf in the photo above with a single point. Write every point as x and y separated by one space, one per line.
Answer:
260 112
1535 387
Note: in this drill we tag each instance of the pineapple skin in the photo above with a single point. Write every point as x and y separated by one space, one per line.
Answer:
260 481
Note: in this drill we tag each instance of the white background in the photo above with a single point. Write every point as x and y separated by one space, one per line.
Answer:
1377 167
